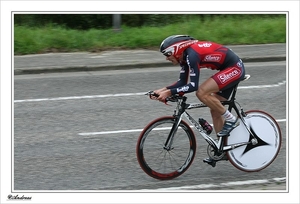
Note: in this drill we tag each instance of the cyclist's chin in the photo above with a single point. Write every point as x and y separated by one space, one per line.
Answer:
175 62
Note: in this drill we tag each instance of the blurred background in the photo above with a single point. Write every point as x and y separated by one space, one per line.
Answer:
42 33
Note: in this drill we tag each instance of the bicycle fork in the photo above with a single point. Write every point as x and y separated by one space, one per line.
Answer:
169 141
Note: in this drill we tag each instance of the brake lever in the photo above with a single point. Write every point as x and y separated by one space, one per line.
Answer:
151 93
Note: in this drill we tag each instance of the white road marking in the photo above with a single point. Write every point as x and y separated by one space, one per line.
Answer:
263 86
135 130
109 132
78 97
118 131
221 185
130 94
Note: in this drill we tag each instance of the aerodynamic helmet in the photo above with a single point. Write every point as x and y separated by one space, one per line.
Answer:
176 44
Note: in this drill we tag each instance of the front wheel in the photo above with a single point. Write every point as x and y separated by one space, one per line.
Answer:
165 162
255 157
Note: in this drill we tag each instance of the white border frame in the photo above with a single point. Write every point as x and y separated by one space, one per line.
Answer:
149 6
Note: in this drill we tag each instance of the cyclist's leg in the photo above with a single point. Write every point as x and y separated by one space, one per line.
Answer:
217 119
226 80
204 94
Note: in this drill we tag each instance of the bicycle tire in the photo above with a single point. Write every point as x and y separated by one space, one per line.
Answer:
158 162
255 157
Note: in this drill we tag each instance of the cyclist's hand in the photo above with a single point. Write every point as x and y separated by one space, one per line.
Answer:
152 95
163 95
155 94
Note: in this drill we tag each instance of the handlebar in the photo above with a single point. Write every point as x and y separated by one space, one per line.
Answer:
173 98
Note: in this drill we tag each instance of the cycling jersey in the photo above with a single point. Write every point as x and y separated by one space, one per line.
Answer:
205 54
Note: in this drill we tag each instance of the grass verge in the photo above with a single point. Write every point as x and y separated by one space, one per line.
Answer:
230 31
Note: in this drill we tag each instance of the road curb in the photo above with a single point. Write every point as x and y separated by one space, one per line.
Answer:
41 70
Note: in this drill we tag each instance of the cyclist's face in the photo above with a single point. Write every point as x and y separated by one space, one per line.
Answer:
172 59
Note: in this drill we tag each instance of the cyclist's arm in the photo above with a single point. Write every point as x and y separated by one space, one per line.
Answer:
190 69
183 78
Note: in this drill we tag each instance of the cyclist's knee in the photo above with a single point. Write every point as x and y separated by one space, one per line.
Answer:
206 89
202 94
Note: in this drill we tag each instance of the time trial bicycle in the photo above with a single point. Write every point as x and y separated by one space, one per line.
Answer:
166 147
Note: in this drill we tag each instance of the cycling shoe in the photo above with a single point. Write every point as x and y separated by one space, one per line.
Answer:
227 128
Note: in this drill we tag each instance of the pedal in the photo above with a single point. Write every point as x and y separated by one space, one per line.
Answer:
210 161
224 157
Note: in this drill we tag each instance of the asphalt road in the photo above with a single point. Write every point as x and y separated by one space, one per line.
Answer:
78 131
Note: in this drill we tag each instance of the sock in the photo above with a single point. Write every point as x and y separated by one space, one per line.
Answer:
228 116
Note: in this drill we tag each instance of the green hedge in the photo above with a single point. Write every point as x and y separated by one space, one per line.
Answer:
104 21
225 29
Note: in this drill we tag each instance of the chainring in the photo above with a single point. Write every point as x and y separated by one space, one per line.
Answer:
213 154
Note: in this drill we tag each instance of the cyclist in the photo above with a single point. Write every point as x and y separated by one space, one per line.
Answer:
193 55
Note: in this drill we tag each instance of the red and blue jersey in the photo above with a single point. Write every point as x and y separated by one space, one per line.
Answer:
203 54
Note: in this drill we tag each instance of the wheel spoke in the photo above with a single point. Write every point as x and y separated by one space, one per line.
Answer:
165 162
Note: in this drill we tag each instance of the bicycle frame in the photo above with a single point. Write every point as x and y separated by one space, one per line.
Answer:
219 147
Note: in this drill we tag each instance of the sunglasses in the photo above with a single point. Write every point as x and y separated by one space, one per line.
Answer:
167 54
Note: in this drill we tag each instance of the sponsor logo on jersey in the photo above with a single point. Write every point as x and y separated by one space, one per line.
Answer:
240 64
188 61
183 89
192 71
205 45
187 44
213 58
227 76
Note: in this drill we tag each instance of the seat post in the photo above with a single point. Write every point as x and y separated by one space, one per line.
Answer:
231 100
232 97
